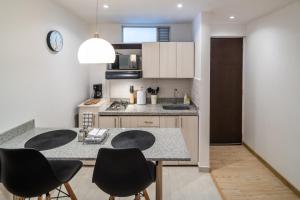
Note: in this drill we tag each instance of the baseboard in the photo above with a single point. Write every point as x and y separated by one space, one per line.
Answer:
274 171
205 169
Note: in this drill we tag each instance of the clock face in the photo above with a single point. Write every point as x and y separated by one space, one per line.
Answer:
55 41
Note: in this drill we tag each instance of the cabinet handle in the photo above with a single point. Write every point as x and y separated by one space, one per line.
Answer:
121 123
115 122
148 122
181 124
176 122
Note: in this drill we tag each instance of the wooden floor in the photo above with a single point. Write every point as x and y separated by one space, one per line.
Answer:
239 175
180 183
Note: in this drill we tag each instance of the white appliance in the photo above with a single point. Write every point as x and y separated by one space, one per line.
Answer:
141 97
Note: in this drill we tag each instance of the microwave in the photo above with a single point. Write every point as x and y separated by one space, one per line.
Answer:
126 62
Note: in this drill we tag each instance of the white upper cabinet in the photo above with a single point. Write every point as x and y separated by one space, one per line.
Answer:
150 60
185 60
167 60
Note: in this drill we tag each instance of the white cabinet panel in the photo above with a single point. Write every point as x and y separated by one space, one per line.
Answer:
185 60
167 63
150 60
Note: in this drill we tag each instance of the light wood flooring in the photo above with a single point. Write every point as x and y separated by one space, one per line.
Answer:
180 183
239 175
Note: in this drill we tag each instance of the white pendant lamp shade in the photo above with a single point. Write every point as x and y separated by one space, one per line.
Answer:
96 50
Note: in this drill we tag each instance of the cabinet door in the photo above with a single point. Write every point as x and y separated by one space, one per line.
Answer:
150 60
128 122
167 60
169 122
108 122
185 60
189 128
148 121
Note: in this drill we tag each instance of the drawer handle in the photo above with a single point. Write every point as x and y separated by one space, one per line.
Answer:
148 122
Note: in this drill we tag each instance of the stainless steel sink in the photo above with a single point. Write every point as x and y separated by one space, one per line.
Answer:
176 107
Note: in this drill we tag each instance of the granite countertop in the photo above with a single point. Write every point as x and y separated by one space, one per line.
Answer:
148 109
169 145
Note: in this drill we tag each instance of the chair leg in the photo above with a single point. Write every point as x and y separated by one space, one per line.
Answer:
145 193
111 198
48 197
70 191
137 197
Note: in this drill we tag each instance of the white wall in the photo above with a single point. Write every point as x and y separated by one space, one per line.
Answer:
119 88
35 83
228 30
272 93
201 83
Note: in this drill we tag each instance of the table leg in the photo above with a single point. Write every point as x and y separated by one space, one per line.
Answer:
159 188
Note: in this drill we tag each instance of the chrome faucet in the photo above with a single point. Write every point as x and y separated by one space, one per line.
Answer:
175 95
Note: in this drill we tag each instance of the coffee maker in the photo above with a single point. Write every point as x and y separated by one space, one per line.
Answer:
97 91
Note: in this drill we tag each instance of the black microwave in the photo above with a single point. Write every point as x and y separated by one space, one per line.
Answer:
126 62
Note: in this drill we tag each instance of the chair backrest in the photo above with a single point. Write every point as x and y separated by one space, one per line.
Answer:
26 172
121 172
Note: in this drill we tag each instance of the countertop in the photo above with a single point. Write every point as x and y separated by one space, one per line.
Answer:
169 145
143 110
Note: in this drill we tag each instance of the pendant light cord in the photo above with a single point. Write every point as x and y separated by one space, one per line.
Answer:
97 25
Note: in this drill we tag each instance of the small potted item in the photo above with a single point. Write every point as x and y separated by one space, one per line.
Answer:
154 93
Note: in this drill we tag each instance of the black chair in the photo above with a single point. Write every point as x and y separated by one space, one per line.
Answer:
123 172
27 173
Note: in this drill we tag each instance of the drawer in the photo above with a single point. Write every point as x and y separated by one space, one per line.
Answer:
148 122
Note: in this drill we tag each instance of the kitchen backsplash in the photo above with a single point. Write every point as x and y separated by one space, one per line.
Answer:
120 88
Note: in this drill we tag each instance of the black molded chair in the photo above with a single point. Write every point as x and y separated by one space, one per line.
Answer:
123 172
27 173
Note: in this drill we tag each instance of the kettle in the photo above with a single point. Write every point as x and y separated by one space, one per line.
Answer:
141 97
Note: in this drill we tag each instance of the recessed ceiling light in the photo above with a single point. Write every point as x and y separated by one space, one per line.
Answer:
105 6
232 17
179 5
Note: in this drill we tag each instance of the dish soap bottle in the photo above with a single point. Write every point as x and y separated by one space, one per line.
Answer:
186 100
131 96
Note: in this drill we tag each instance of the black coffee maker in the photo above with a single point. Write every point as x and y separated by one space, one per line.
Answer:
97 91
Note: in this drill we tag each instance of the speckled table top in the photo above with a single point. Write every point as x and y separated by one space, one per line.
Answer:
169 145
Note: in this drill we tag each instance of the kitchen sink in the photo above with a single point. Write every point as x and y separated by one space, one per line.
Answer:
176 107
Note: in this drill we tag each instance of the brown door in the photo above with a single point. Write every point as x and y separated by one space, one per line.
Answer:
226 90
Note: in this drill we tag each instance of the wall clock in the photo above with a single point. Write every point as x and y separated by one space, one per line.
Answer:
55 41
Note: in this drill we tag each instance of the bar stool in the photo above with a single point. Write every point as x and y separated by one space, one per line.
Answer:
123 172
27 173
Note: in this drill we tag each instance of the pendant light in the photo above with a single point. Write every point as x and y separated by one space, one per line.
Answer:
96 50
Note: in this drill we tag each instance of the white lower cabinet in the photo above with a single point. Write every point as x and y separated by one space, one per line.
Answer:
108 122
189 128
188 125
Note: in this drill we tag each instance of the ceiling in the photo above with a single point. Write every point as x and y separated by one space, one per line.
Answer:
166 11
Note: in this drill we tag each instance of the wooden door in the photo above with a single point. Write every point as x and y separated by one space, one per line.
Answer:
150 60
185 60
226 90
108 122
167 63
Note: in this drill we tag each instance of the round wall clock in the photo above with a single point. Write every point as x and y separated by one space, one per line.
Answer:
55 41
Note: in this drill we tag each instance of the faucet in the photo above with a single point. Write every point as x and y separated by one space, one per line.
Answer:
175 95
